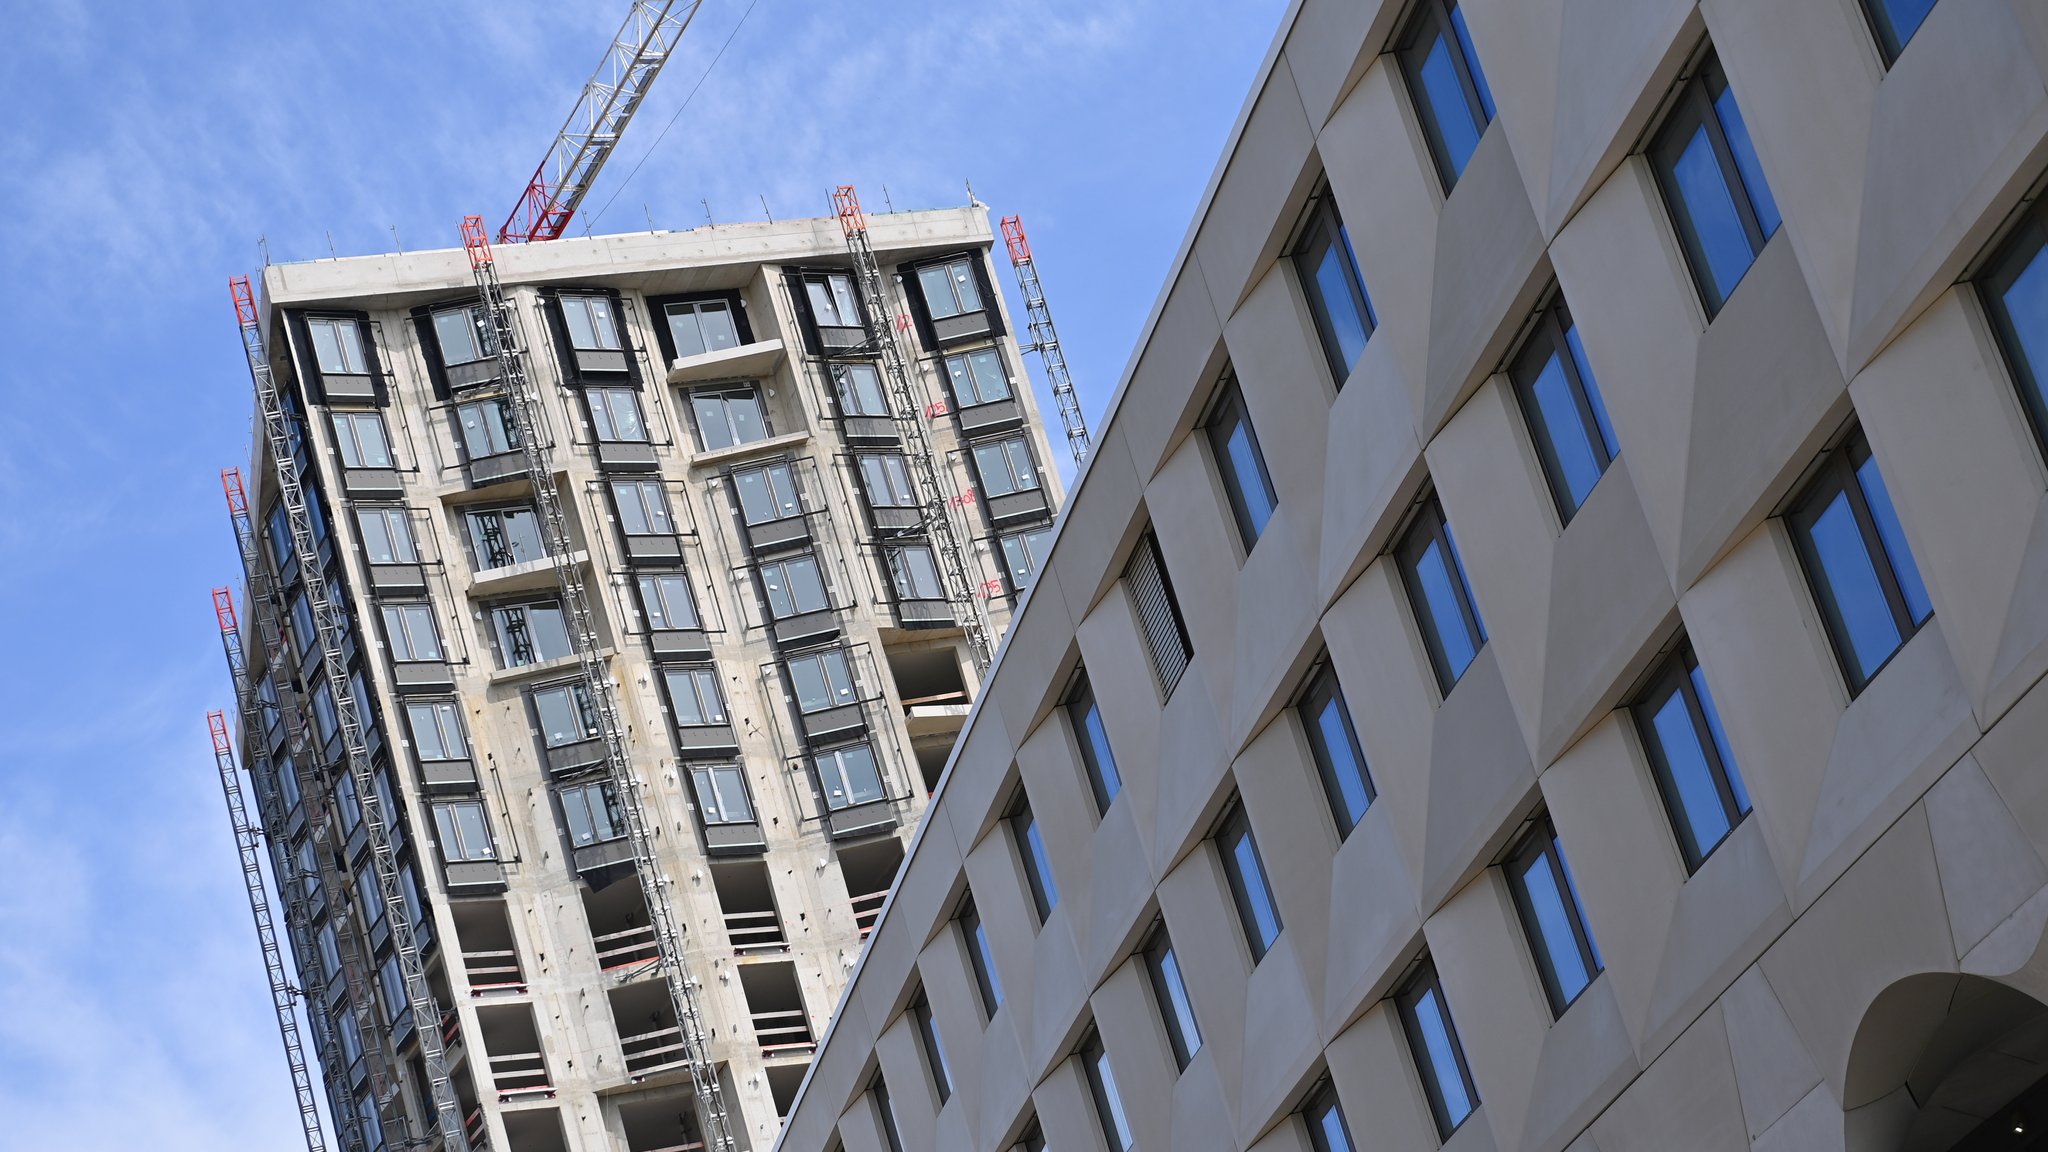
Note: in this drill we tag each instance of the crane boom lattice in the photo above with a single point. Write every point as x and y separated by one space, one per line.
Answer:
934 505
610 97
525 403
248 843
1045 339
328 624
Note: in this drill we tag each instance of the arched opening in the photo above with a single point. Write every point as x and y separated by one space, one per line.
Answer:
1949 1063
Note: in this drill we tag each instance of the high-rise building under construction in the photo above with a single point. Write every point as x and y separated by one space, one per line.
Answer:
612 606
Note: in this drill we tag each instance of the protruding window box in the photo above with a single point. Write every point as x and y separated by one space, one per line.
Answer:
925 613
488 470
837 338
965 326
806 627
699 741
475 374
422 676
663 551
294 822
775 535
626 455
828 723
995 416
869 430
892 521
380 935
372 482
401 578
734 839
602 855
448 775
349 386
576 757
679 643
861 819
610 361
474 877
358 845
1017 507
756 361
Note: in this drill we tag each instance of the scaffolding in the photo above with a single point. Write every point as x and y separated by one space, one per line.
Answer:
524 403
1045 340
283 996
329 621
933 502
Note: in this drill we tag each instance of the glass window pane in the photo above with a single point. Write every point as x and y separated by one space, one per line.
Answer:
1040 864
456 333
1746 164
1446 617
937 283
807 677
1177 1000
1333 739
1248 476
1720 737
731 789
1097 743
1599 406
1710 209
714 318
1557 411
1471 55
575 311
711 422
1852 584
1911 587
964 286
2026 310
1258 900
1444 104
1119 1123
1699 801
1553 926
686 330
1442 1055
747 423
1334 280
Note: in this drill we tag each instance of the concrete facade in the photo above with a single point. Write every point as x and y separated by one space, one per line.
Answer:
1858 965
560 1034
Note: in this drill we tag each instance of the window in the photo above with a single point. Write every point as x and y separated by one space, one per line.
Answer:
666 602
1858 562
330 951
1238 459
832 299
1446 83
1336 293
302 623
615 414
915 573
387 536
504 536
1689 755
2015 292
934 1052
981 957
360 436
1109 1106
722 794
1437 590
643 507
338 345
860 389
950 288
464 834
1086 716
396 1005
729 417
1552 916
693 693
1024 554
1045 893
849 775
1567 419
531 633
1333 741
767 493
1004 466
488 428
464 335
1166 634
410 631
352 1045
566 713
437 732
1895 21
345 800
822 680
592 812
1171 992
1439 1059
277 530
288 783
1713 184
1248 887
886 480
325 720
591 326
794 586
1327 1131
978 377
700 326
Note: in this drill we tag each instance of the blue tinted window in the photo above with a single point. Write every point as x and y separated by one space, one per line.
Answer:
1698 800
1449 89
1558 410
1244 464
1585 367
1442 597
1852 583
1093 738
1444 104
1334 278
1439 1047
1896 22
1711 211
1746 163
1713 183
1471 55
1547 904
1332 733
2026 308
1689 752
1729 768
1578 905
1260 901
1894 538
1248 888
1439 595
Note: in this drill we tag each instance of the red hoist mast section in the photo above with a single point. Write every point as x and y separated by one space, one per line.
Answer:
594 126
1044 339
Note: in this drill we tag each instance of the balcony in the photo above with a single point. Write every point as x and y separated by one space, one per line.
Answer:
490 955
746 896
650 1039
775 1004
512 1049
868 870
756 361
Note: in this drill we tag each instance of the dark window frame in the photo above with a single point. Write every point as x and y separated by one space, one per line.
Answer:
1110 1112
1408 999
725 394
1548 340
605 429
646 513
1322 690
927 1027
1235 827
981 958
966 362
1323 229
885 1111
1430 526
1079 704
711 800
1692 110
1884 30
657 605
1163 969
1429 20
1675 676
1038 878
2029 240
1157 608
505 555
1540 844
591 797
1323 1102
1226 414
1012 545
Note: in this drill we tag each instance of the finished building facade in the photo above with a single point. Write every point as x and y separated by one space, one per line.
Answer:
1547 652
766 599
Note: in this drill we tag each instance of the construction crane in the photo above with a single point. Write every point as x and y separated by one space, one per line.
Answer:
610 97
1044 339
933 502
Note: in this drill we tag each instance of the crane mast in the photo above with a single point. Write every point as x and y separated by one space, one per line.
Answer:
1045 340
610 97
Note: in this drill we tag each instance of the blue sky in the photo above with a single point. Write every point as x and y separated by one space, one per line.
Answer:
148 155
